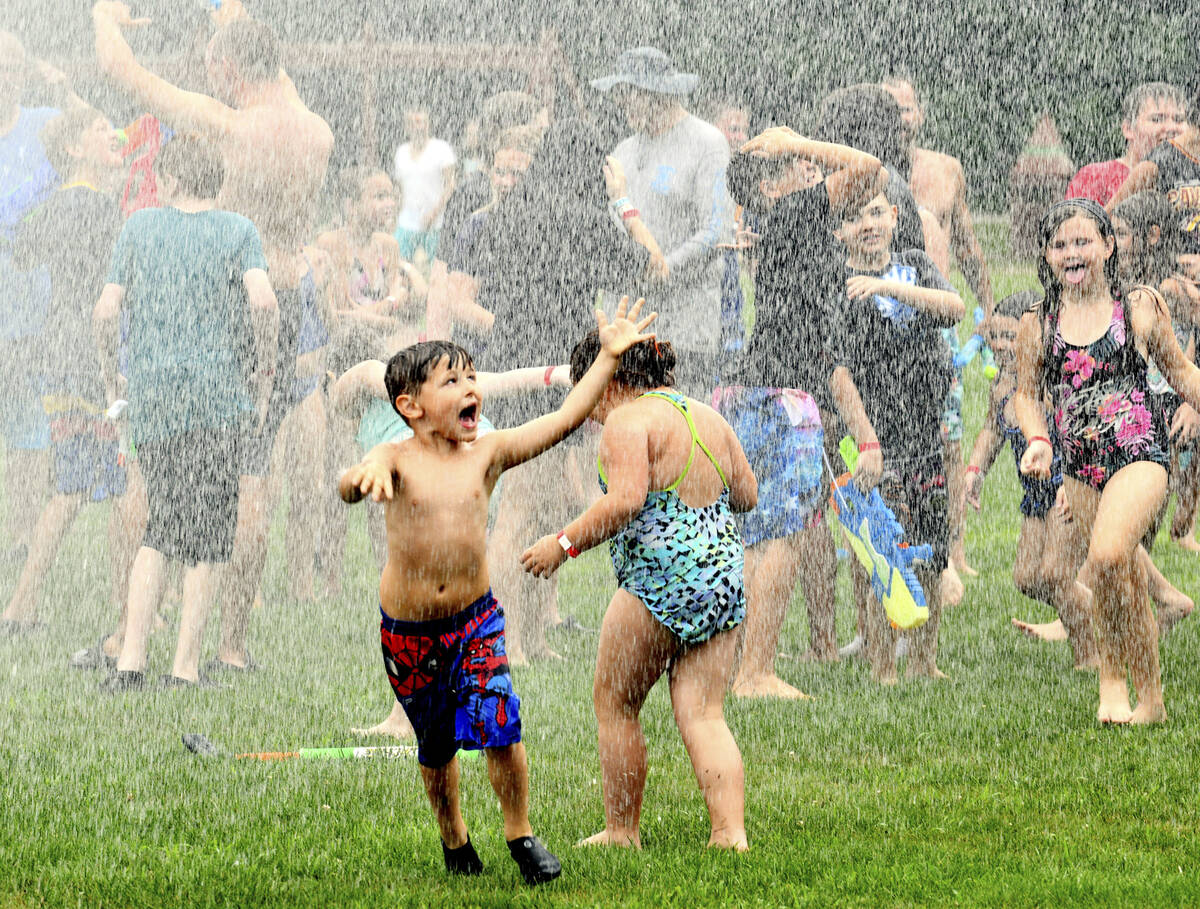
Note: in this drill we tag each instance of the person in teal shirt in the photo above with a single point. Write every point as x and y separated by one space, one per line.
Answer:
203 322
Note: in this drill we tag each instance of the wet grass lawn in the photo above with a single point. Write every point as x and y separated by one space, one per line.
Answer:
996 787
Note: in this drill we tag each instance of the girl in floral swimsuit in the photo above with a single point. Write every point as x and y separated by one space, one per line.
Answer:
673 472
1087 345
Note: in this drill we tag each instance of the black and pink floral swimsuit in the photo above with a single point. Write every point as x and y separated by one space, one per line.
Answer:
1102 405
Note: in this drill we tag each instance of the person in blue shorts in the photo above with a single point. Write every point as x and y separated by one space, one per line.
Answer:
441 630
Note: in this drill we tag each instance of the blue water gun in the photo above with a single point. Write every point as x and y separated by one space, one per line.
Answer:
876 537
977 345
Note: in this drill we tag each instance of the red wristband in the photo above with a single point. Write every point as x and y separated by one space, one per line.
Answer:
974 468
630 213
868 446
549 370
1033 439
567 545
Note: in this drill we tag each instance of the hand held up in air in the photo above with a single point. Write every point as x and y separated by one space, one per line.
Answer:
625 330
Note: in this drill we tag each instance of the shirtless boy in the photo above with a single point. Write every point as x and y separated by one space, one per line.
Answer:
276 152
442 631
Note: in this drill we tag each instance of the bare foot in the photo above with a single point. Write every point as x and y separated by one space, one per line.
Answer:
1114 702
397 728
1147 713
729 839
1042 631
767 686
607 838
1189 543
958 559
916 670
544 655
1171 610
952 587
885 677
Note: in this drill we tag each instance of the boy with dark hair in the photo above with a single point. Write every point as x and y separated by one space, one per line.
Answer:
782 384
442 631
72 234
192 279
894 367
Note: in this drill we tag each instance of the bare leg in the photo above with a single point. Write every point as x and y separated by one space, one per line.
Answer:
396 725
52 525
922 660
1065 550
633 653
241 576
441 785
197 601
508 771
699 678
955 493
880 648
27 477
127 527
1115 522
147 578
1173 604
527 600
1188 494
1027 576
770 576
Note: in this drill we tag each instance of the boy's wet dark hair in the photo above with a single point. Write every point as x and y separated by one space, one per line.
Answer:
745 174
1016 305
1137 96
195 163
64 131
408 369
648 364
352 178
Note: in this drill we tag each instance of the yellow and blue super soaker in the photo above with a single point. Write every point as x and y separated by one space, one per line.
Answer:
876 538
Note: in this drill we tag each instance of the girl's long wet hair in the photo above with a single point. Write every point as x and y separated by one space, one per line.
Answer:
648 364
1142 212
1059 214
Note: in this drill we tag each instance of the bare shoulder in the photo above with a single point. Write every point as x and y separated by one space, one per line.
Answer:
940 164
1146 308
386 244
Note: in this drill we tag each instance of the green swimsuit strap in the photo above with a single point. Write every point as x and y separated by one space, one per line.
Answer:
677 401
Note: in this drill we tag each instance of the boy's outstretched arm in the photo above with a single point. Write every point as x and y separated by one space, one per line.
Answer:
943 306
515 446
374 476
983 454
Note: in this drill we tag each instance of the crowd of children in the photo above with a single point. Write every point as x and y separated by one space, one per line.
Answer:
181 350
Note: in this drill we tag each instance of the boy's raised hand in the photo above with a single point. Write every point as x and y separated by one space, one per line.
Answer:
774 142
625 330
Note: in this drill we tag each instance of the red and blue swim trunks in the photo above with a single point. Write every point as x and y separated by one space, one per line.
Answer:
451 677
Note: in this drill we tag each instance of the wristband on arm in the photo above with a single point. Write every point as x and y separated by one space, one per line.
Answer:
567 546
868 446
1033 439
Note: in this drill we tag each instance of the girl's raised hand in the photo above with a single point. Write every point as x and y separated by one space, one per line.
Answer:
625 330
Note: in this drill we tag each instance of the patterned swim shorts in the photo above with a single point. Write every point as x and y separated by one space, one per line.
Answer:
451 677
781 433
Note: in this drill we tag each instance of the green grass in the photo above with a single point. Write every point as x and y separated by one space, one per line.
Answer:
994 788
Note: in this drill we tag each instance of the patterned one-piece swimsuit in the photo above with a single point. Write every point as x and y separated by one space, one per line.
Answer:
1102 408
685 564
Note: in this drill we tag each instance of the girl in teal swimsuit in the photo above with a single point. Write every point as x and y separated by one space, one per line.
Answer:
673 473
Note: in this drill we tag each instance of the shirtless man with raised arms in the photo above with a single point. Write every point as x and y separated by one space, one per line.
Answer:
276 153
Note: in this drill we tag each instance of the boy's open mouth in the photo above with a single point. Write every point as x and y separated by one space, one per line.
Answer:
468 417
1075 273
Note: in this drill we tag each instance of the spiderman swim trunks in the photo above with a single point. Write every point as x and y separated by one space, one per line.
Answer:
451 677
